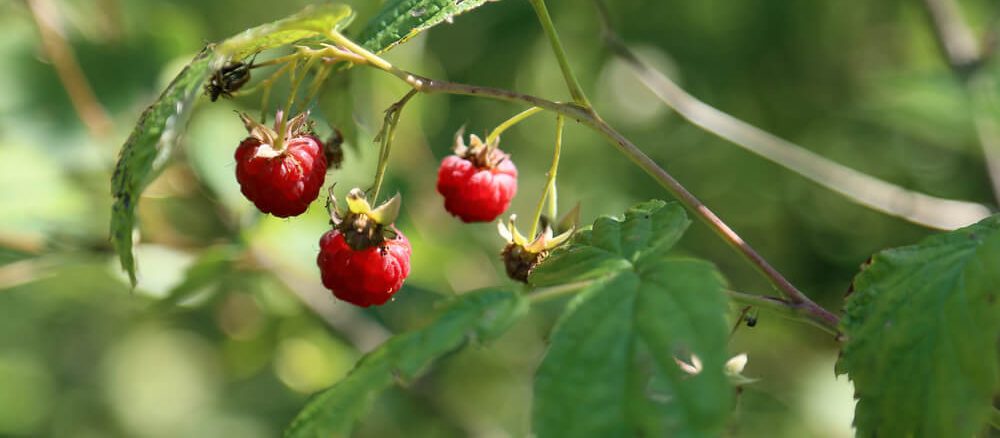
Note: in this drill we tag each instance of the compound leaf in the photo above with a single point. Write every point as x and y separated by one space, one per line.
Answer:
611 368
923 324
400 20
480 315
612 245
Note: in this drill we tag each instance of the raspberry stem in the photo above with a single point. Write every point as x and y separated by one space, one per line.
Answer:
385 137
550 183
517 118
550 32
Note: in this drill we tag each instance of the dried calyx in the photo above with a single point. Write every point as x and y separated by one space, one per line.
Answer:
520 255
363 226
295 127
482 155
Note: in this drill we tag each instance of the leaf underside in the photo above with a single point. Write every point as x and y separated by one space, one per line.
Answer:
476 315
610 368
923 325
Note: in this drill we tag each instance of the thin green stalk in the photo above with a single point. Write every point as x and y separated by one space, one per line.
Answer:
550 32
265 95
385 137
550 184
495 134
317 82
296 82
544 294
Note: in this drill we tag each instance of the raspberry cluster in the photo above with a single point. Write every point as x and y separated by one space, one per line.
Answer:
364 259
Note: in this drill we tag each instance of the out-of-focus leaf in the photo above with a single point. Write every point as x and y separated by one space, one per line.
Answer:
612 244
400 20
611 367
146 151
148 147
479 315
209 269
923 324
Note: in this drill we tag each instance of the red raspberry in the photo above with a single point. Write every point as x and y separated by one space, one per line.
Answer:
478 182
366 277
280 182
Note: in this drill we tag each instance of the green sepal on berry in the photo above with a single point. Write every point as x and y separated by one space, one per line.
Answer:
520 255
479 153
363 226
295 127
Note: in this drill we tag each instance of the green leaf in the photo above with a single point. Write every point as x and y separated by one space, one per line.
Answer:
148 148
923 324
613 245
208 270
146 151
400 20
610 369
310 22
479 315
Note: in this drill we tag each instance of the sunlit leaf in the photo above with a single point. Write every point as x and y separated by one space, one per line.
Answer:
479 315
400 20
611 367
923 324
310 22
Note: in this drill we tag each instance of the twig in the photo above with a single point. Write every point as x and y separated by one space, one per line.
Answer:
965 57
856 186
633 153
90 111
785 308
589 117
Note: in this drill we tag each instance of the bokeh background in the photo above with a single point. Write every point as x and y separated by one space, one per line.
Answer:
229 330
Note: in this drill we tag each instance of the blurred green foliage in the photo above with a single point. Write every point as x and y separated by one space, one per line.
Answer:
236 348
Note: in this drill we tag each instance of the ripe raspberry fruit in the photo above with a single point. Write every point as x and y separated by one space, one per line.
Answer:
364 259
478 181
280 174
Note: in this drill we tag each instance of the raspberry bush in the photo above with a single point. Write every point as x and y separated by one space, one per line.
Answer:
641 349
